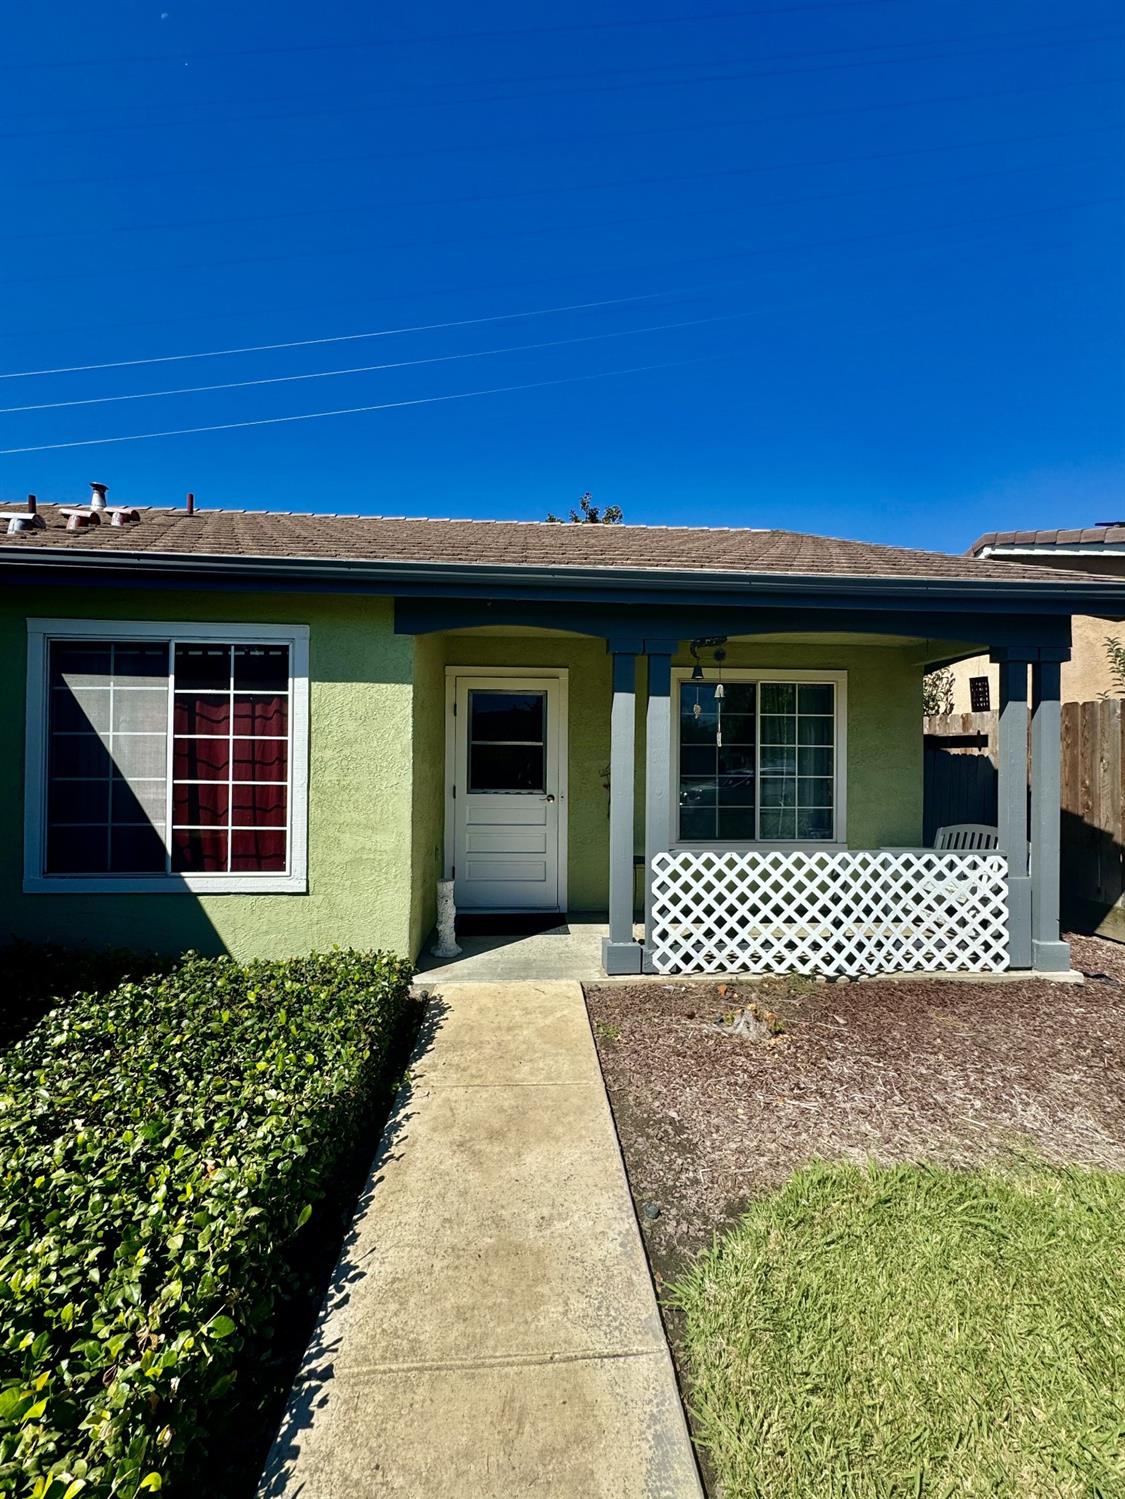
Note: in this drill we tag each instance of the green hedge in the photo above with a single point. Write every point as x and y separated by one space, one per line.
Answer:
160 1146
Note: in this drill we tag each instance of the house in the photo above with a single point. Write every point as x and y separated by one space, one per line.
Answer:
1096 549
267 733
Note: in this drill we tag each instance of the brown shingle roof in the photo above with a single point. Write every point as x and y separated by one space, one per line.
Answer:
1084 536
272 534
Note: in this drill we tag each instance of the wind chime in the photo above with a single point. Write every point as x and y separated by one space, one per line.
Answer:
697 677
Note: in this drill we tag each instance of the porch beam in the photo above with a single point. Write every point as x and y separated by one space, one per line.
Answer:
658 777
1012 799
620 953
646 622
1049 954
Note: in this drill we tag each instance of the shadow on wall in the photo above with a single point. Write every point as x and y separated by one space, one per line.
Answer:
35 977
962 787
310 1393
95 926
1093 878
958 787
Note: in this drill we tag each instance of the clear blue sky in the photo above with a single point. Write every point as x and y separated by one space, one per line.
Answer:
894 228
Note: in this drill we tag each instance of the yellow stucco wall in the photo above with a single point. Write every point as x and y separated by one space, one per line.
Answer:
1085 676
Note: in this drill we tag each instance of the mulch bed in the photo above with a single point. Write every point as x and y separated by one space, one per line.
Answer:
955 1072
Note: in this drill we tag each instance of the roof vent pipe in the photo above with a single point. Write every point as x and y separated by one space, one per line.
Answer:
190 503
21 521
97 495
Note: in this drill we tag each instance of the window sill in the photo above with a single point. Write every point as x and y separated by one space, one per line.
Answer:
775 845
190 884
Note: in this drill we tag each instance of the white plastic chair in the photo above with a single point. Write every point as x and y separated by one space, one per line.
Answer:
966 837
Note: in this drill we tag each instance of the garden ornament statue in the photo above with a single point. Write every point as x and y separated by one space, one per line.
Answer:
446 944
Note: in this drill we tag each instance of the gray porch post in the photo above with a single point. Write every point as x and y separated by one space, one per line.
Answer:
1012 801
1048 953
620 954
658 772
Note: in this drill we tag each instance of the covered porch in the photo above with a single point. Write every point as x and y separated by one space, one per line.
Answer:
742 793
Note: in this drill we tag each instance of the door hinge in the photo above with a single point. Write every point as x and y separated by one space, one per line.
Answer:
455 793
454 710
453 871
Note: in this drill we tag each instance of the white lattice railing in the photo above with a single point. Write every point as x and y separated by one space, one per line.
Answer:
837 914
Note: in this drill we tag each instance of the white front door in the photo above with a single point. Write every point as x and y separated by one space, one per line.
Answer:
507 792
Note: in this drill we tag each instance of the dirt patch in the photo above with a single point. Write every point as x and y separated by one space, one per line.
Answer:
952 1072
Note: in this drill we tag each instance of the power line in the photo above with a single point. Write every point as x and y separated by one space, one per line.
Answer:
507 284
337 338
739 254
310 416
399 364
211 169
630 220
356 43
719 174
191 119
334 209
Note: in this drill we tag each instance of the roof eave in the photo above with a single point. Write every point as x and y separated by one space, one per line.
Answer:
391 577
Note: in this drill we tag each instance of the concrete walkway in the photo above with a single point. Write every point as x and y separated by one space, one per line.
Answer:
491 1330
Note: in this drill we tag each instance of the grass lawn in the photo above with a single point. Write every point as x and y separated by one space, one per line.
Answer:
914 1330
889 1240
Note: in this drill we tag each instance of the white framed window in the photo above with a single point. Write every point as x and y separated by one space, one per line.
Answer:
166 756
763 761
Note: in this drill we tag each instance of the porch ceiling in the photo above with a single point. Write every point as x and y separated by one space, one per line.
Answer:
946 633
515 632
922 650
823 637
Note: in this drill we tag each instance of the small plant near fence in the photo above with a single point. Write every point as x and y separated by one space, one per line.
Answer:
161 1146
1115 660
937 692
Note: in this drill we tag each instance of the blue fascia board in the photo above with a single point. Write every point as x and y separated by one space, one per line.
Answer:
631 587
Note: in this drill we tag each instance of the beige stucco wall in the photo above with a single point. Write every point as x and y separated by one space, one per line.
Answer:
1085 676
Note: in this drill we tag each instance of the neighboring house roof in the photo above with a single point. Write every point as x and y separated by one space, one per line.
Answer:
245 534
1088 538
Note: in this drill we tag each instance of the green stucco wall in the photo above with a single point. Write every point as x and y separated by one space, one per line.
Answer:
884 771
360 787
428 771
588 716
884 774
377 770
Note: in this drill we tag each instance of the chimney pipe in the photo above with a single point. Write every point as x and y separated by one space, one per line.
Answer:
97 495
190 503
32 504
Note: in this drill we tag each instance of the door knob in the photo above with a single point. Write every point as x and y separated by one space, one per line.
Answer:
549 797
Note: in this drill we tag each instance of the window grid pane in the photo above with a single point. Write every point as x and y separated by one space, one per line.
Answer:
230 785
107 757
797 752
781 787
507 749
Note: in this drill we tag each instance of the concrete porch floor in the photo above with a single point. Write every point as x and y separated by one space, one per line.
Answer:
571 950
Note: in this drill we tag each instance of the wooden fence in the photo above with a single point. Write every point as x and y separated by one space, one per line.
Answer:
960 786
